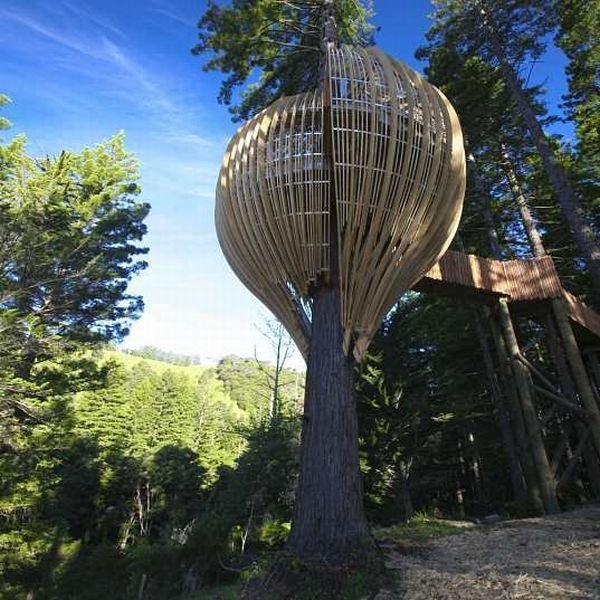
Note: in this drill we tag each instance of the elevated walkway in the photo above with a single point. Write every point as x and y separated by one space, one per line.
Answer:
519 281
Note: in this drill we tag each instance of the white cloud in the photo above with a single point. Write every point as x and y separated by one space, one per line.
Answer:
67 40
166 10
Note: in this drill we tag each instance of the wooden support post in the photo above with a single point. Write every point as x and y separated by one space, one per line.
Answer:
560 447
590 457
516 473
538 450
594 364
514 405
580 376
570 469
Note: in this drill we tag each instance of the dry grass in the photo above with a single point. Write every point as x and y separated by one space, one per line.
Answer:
548 558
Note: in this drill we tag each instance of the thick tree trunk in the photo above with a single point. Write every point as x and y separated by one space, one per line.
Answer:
329 525
584 235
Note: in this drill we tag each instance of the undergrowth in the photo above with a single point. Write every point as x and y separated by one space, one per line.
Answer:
420 528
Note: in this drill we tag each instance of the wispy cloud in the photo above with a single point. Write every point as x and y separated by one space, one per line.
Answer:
67 40
82 11
151 90
167 11
113 65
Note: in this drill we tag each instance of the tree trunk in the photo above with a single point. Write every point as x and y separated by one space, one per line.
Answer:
533 235
584 235
407 504
488 217
569 343
538 450
580 376
521 435
329 525
594 370
590 457
528 466
516 475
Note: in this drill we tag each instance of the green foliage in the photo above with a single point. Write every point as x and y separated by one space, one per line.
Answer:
421 528
280 40
153 472
424 412
163 356
70 228
273 532
4 122
173 477
577 36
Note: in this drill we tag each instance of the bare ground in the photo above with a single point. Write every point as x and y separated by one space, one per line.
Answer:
547 558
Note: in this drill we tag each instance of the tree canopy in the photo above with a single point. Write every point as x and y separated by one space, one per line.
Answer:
272 48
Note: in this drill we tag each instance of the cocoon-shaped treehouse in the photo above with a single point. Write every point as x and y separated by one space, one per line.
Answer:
358 184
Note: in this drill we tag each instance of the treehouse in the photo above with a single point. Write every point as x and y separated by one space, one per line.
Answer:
358 184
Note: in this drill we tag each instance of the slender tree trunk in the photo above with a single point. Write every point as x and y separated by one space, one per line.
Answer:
590 457
521 435
538 450
510 386
584 235
407 504
594 370
530 228
274 405
580 376
575 360
490 226
329 525
516 475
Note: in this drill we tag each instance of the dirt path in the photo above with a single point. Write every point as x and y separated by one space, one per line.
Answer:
542 558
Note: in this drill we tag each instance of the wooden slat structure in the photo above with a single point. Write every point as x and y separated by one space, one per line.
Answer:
367 174
527 280
582 315
519 280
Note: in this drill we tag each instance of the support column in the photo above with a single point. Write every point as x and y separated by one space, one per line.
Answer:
499 399
545 477
580 376
514 405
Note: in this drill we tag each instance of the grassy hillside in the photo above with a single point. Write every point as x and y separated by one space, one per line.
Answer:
159 366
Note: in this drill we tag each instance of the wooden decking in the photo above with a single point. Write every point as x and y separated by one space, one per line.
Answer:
524 281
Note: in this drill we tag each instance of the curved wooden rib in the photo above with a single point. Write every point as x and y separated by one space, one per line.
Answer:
398 173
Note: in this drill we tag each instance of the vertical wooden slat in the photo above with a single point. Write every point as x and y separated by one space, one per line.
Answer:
398 173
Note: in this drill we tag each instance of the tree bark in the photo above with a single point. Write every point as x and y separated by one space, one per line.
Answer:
580 376
584 235
533 234
545 477
329 526
513 395
490 226
405 467
516 475
523 446
590 457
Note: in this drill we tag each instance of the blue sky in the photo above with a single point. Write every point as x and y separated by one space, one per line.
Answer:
80 70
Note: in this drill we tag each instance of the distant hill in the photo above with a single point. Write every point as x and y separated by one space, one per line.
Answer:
160 366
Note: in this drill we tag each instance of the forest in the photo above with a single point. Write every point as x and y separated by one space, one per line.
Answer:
145 475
